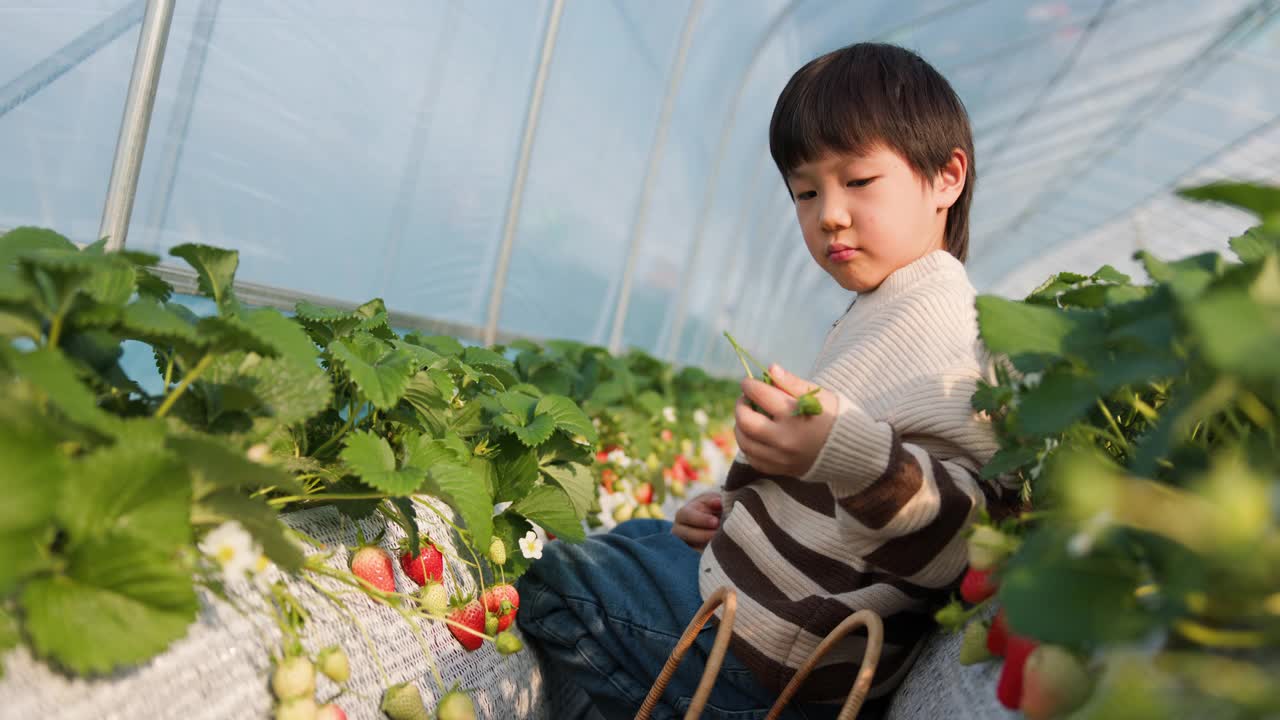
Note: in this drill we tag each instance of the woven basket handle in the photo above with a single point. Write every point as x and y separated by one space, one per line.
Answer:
729 598
870 658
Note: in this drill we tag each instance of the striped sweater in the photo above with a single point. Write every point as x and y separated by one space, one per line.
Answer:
878 521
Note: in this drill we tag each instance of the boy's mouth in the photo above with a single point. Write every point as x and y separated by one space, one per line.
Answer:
841 253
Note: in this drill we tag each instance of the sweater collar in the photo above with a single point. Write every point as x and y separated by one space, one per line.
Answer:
902 279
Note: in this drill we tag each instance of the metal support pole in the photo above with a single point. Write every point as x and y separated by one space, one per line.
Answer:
522 171
651 175
135 122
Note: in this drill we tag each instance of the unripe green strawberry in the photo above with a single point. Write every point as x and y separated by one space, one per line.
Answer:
623 513
974 648
300 708
643 512
294 677
1054 683
490 624
988 547
333 663
403 702
507 643
455 705
498 552
434 598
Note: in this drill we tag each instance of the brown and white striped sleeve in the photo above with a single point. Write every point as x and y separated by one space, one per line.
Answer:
906 508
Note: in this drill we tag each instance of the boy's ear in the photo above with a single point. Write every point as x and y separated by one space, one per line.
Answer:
950 180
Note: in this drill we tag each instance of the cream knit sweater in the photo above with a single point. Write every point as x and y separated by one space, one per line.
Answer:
878 521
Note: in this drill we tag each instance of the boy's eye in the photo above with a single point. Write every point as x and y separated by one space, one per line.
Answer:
806 195
860 183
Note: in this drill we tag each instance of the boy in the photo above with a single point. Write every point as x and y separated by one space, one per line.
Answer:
862 506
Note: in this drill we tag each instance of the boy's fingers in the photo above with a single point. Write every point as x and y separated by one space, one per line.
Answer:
770 399
790 384
750 424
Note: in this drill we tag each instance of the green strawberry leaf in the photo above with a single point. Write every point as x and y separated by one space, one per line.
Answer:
1056 597
533 434
577 481
9 636
135 490
34 472
1007 460
214 465
1029 333
464 489
370 458
516 472
1260 200
552 509
117 603
151 286
257 518
159 325
1185 278
1256 243
568 416
442 344
215 272
424 452
289 391
19 323
287 336
381 373
55 376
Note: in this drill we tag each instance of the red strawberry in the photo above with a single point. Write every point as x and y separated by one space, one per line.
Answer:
372 565
468 615
1054 683
428 564
602 457
330 712
978 585
666 436
607 478
998 635
644 493
502 601
1009 689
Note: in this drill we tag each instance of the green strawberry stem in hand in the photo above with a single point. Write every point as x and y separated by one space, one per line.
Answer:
806 404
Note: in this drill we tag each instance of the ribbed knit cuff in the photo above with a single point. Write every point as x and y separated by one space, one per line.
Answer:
855 454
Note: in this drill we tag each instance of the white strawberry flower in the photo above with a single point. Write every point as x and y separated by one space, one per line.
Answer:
700 417
609 501
619 458
669 414
531 546
259 453
231 546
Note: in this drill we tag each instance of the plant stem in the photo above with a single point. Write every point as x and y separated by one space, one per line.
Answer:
187 379
743 355
342 431
373 650
1124 444
168 371
318 497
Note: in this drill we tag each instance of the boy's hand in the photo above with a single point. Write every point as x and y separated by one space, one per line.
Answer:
785 445
697 520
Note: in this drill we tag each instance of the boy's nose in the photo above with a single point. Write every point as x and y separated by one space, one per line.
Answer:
834 217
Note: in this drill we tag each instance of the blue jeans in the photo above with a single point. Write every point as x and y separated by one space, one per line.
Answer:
606 614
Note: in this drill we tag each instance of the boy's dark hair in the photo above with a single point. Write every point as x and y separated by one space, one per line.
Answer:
853 98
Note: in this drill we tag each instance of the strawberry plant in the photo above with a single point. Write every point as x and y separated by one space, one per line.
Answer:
1142 422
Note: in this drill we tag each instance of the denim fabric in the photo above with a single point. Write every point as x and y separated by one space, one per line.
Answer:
604 616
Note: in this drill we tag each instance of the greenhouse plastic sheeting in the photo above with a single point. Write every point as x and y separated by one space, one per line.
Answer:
355 150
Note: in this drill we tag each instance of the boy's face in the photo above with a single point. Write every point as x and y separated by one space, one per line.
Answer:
865 216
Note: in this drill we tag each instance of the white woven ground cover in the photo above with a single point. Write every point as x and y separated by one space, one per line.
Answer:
222 668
